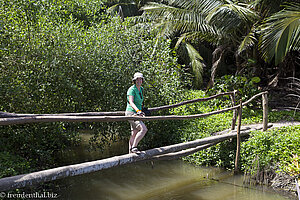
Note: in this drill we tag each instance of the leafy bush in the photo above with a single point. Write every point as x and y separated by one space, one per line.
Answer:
63 67
245 86
201 127
276 147
38 143
223 154
11 165
67 56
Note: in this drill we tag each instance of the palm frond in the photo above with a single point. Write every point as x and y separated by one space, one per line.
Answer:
197 35
196 63
230 16
180 19
248 41
281 33
203 6
180 39
266 7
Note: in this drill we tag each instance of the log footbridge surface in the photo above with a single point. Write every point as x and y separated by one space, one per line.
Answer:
161 153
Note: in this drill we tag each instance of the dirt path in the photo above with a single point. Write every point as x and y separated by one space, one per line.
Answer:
273 125
254 127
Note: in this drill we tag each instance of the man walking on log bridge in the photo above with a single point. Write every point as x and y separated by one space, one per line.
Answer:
135 100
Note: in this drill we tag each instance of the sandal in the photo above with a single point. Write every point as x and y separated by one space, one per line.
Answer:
134 150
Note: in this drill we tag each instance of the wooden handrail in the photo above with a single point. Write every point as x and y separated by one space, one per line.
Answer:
190 101
14 115
62 118
116 113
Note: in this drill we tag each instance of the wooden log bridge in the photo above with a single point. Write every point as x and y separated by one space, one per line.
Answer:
167 152
161 153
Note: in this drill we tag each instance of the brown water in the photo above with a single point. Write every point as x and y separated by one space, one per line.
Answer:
161 180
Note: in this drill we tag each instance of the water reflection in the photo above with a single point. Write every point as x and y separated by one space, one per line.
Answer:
163 180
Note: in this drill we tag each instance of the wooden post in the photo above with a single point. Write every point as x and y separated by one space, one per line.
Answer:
234 111
237 156
298 189
265 111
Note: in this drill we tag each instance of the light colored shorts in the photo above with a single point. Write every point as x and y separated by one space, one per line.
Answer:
134 124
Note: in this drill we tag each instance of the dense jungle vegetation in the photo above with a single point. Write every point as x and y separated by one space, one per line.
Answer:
59 56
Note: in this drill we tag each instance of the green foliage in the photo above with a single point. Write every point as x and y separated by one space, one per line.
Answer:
275 147
186 20
236 30
201 127
245 86
11 165
65 68
283 115
38 144
220 155
162 133
292 166
280 33
66 56
196 63
223 154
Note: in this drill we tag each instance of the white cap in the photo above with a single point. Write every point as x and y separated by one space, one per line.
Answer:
138 75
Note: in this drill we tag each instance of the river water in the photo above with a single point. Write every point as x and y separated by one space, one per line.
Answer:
159 180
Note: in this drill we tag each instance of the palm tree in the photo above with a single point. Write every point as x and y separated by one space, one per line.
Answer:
221 24
271 38
280 33
254 31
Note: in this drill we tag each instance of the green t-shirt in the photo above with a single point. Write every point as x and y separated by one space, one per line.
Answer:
138 98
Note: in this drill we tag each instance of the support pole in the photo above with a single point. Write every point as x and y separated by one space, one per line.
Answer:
298 189
265 111
238 137
232 96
